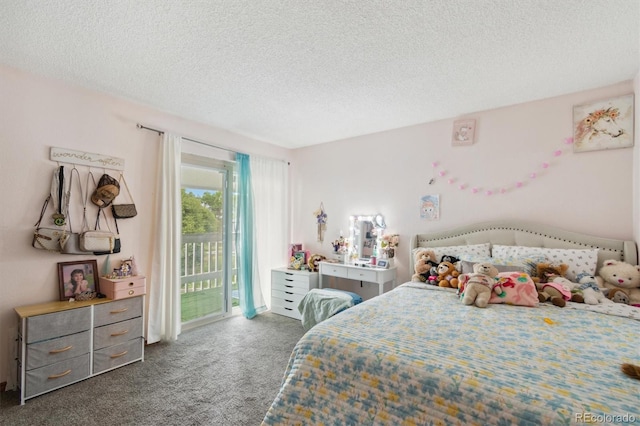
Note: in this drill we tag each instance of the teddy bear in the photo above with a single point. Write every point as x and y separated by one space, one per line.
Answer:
616 295
447 275
477 287
618 274
424 261
590 291
548 290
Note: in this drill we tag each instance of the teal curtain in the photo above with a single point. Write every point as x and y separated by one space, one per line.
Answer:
248 279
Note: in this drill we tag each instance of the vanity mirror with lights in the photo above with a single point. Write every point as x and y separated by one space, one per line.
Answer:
364 233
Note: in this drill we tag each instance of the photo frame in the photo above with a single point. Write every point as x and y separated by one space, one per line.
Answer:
382 263
463 132
77 277
605 124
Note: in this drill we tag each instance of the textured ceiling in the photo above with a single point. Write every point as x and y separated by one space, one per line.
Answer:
302 72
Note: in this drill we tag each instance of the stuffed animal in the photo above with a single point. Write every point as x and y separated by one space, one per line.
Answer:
449 258
447 275
590 290
618 274
476 288
556 292
424 260
576 292
616 295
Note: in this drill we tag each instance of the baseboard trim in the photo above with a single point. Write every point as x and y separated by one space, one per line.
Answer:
3 386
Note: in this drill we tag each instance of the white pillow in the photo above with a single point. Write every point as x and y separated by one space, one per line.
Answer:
527 263
461 252
578 260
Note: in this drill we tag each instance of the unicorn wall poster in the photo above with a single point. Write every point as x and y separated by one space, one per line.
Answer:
604 124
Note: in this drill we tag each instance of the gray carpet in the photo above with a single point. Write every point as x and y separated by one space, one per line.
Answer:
225 373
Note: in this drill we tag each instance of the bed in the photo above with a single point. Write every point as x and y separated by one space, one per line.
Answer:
417 355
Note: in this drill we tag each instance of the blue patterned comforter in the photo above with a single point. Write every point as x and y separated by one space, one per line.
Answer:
417 356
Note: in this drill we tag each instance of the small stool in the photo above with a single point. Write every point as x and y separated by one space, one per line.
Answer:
322 303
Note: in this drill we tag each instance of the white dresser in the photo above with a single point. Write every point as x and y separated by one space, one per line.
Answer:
61 343
380 276
288 288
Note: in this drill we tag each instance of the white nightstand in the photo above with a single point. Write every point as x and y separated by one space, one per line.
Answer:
288 288
379 276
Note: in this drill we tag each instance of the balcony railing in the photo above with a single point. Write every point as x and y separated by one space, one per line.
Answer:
202 275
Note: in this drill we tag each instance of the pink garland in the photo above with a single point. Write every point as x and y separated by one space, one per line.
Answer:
504 188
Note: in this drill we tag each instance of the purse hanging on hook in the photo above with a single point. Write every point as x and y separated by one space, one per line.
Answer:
124 211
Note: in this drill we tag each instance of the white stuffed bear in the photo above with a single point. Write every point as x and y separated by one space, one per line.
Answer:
618 274
478 286
588 285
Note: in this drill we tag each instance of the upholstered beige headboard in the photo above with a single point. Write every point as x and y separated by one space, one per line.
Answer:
530 235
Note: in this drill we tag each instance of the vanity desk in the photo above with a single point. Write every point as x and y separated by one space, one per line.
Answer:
379 276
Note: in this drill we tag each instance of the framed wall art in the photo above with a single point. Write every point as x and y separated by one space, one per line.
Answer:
463 132
78 277
606 124
430 207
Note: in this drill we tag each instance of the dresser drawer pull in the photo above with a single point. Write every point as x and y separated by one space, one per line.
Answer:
290 301
131 292
119 333
57 351
119 311
119 355
289 309
287 292
287 279
131 284
57 376
288 273
288 286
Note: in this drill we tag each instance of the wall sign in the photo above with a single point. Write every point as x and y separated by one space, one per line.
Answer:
63 155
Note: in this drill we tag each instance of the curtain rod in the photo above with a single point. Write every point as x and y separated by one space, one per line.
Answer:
160 132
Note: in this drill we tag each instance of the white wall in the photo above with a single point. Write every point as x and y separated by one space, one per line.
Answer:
36 114
388 173
636 161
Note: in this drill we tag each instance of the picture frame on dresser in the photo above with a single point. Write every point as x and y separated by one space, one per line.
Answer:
383 263
77 277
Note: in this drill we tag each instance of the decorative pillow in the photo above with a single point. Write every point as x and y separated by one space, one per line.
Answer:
467 266
579 260
518 289
527 263
462 252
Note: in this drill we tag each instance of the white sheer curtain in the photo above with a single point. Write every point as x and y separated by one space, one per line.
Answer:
164 296
270 181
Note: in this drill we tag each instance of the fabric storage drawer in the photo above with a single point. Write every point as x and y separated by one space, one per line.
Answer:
56 350
118 310
362 275
116 355
56 375
118 332
122 288
48 326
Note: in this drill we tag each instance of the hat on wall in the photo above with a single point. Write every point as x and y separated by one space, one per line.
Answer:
107 189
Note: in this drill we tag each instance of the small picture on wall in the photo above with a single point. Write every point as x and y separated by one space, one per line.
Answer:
606 124
77 278
430 207
463 132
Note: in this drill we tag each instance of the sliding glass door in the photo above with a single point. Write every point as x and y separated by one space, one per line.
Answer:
208 273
